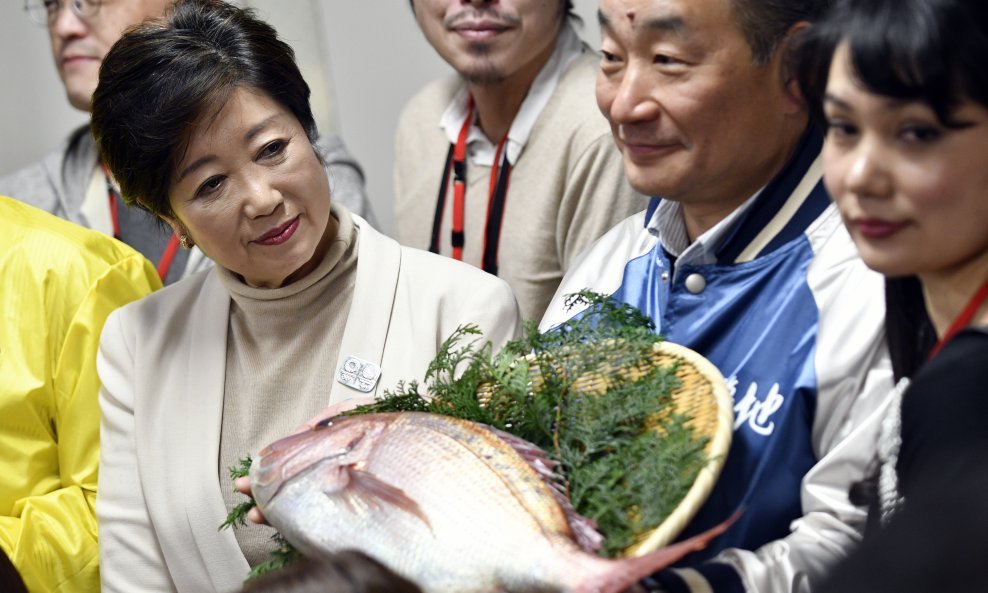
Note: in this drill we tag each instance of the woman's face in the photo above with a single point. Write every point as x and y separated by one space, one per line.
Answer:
913 193
251 192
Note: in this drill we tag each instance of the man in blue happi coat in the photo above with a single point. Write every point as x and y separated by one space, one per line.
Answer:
742 257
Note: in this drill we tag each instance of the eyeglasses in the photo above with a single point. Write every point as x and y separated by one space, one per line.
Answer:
44 12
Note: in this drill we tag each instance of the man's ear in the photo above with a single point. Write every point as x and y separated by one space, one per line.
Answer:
787 67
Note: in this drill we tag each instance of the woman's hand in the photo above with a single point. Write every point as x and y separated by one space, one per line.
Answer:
242 486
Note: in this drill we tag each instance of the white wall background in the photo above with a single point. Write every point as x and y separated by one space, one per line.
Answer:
34 114
362 58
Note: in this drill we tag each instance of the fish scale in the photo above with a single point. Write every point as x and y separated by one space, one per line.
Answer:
512 493
523 483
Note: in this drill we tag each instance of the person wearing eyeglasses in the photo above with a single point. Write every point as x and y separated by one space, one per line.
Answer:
73 184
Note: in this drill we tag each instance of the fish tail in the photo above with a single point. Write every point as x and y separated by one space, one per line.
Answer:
619 575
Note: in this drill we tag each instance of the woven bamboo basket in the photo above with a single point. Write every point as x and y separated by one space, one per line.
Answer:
702 398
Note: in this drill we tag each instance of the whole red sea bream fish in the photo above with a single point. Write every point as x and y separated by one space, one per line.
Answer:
455 506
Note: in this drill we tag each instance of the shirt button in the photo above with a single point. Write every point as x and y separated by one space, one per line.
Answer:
665 276
695 283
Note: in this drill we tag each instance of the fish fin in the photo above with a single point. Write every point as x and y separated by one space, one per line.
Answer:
625 572
375 492
583 529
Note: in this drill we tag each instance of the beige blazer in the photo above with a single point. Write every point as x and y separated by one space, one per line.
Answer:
162 363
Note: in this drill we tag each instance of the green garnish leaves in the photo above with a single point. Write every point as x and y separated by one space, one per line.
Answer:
587 393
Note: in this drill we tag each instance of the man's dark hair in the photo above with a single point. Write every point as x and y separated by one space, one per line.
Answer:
766 22
162 78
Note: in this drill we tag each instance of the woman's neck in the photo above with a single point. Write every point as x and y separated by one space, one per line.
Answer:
949 292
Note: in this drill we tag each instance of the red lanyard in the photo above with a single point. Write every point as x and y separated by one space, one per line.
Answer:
166 258
963 319
497 195
165 263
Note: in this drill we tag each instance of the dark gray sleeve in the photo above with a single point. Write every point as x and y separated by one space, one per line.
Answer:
57 184
346 178
33 185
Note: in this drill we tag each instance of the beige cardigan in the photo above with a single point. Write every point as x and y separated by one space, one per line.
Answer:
567 188
162 363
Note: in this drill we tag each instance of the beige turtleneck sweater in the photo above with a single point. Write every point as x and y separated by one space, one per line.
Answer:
282 349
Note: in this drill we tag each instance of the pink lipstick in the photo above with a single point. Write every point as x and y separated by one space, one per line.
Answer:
876 228
279 234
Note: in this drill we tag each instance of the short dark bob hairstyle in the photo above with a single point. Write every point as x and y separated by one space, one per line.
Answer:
932 51
164 77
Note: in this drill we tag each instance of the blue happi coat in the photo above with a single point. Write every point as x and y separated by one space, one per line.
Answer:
782 305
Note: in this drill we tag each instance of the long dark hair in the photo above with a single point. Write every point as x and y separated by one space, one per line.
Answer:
931 51
162 78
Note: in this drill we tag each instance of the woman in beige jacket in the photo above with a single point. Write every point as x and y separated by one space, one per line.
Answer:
204 120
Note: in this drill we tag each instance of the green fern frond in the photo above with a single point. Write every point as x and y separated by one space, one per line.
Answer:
627 458
284 555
